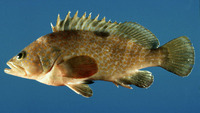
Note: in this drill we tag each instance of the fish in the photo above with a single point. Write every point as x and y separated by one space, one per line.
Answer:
81 50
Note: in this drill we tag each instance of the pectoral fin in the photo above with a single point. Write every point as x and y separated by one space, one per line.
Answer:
82 89
77 67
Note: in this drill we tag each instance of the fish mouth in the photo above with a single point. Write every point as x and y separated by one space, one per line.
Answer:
15 69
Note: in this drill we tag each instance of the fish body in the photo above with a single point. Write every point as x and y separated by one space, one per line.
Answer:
82 50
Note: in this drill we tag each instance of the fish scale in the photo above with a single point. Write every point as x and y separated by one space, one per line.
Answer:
116 58
81 50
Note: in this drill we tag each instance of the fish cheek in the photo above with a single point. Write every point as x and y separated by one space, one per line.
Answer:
32 68
81 67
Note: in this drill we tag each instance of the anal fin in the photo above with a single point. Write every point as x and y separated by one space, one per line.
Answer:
82 89
142 79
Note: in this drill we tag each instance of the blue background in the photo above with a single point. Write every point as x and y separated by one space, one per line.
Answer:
23 21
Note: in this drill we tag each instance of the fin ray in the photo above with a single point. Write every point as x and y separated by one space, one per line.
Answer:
142 79
180 56
82 89
138 33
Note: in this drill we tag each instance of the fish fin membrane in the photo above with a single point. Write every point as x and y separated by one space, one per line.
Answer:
138 34
142 79
180 56
130 30
81 89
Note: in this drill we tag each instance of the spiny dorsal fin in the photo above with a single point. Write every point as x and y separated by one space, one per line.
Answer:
82 23
130 30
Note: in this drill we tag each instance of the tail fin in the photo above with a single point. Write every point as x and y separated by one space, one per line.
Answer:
180 56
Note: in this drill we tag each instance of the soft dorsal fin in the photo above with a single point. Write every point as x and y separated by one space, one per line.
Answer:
130 30
139 33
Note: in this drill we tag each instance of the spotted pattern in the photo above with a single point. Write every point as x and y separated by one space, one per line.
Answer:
114 56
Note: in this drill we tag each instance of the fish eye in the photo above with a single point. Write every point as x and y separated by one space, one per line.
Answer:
21 55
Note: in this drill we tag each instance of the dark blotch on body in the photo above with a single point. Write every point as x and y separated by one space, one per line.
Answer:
102 34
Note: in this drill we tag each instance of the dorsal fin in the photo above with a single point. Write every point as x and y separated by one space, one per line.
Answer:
139 33
83 23
130 30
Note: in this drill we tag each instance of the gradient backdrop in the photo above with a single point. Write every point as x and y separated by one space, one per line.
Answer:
23 21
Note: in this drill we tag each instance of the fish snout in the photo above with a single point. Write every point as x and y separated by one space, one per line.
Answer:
14 69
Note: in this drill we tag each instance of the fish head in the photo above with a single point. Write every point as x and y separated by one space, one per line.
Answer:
26 63
34 60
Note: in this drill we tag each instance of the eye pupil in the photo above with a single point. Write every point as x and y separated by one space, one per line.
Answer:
21 55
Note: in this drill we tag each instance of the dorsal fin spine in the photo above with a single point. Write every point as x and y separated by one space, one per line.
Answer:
96 18
90 23
90 15
100 25
104 19
65 20
75 15
83 23
87 22
58 20
73 22
78 23
84 15
53 28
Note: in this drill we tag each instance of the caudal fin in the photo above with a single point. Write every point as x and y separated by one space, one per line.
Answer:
180 56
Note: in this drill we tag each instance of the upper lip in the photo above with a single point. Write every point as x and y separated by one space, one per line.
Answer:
15 69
